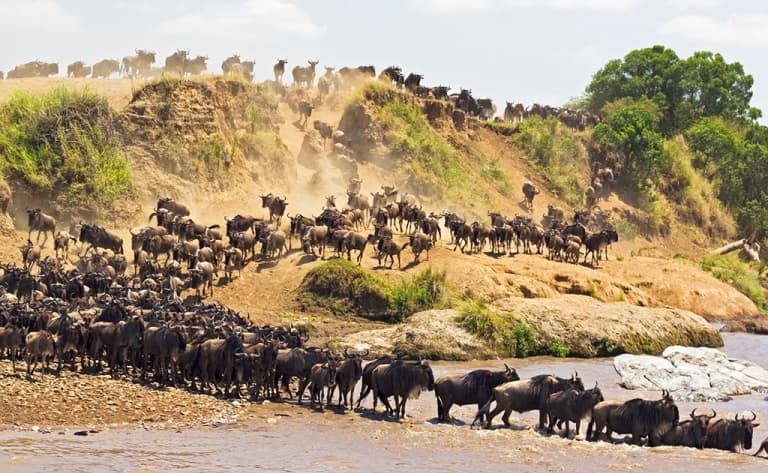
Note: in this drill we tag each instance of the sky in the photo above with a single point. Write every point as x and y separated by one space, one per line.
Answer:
526 51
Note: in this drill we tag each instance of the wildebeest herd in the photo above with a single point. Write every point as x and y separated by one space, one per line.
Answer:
95 314
182 63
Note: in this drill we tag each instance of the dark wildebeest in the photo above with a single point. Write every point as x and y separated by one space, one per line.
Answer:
297 362
763 447
403 381
643 418
731 434
99 237
276 206
475 387
39 347
348 374
12 339
216 361
172 206
322 376
129 337
365 384
325 130
239 223
525 395
166 345
42 223
305 111
529 192
689 433
61 243
571 405
279 69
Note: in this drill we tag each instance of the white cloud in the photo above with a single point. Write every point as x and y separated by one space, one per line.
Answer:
694 4
590 55
747 31
596 5
452 6
250 19
37 15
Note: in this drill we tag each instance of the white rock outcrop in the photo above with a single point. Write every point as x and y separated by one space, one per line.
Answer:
692 374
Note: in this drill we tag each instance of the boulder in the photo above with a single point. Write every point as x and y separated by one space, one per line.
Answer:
431 334
692 374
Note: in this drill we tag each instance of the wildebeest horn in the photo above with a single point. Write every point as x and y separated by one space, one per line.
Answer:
754 416
714 414
346 353
506 366
305 340
737 416
693 413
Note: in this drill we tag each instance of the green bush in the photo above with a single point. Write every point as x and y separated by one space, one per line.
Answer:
64 143
494 329
742 276
346 289
559 350
422 292
524 336
557 154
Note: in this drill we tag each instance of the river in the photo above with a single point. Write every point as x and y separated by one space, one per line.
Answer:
281 437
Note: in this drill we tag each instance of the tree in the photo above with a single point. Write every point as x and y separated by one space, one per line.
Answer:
631 131
684 90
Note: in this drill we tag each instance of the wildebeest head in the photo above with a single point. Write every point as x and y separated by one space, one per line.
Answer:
747 427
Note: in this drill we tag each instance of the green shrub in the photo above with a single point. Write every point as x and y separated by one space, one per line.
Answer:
524 336
422 292
346 289
64 143
744 277
494 329
557 154
559 350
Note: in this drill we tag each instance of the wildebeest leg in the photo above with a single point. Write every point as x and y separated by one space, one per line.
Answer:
567 430
505 417
490 415
302 386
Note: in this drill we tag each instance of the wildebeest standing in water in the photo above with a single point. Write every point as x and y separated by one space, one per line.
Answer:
475 387
571 405
402 380
643 418
689 433
731 434
525 395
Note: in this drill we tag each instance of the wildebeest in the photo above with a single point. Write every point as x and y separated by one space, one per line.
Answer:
763 447
348 374
42 223
365 381
731 434
325 130
216 361
105 68
571 405
39 347
99 237
529 192
279 69
165 345
305 111
643 418
30 254
61 243
525 395
475 387
12 341
689 433
276 206
297 362
202 277
403 381
304 76
171 205
322 378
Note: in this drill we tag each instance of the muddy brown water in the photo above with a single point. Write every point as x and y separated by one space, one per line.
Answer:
282 437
